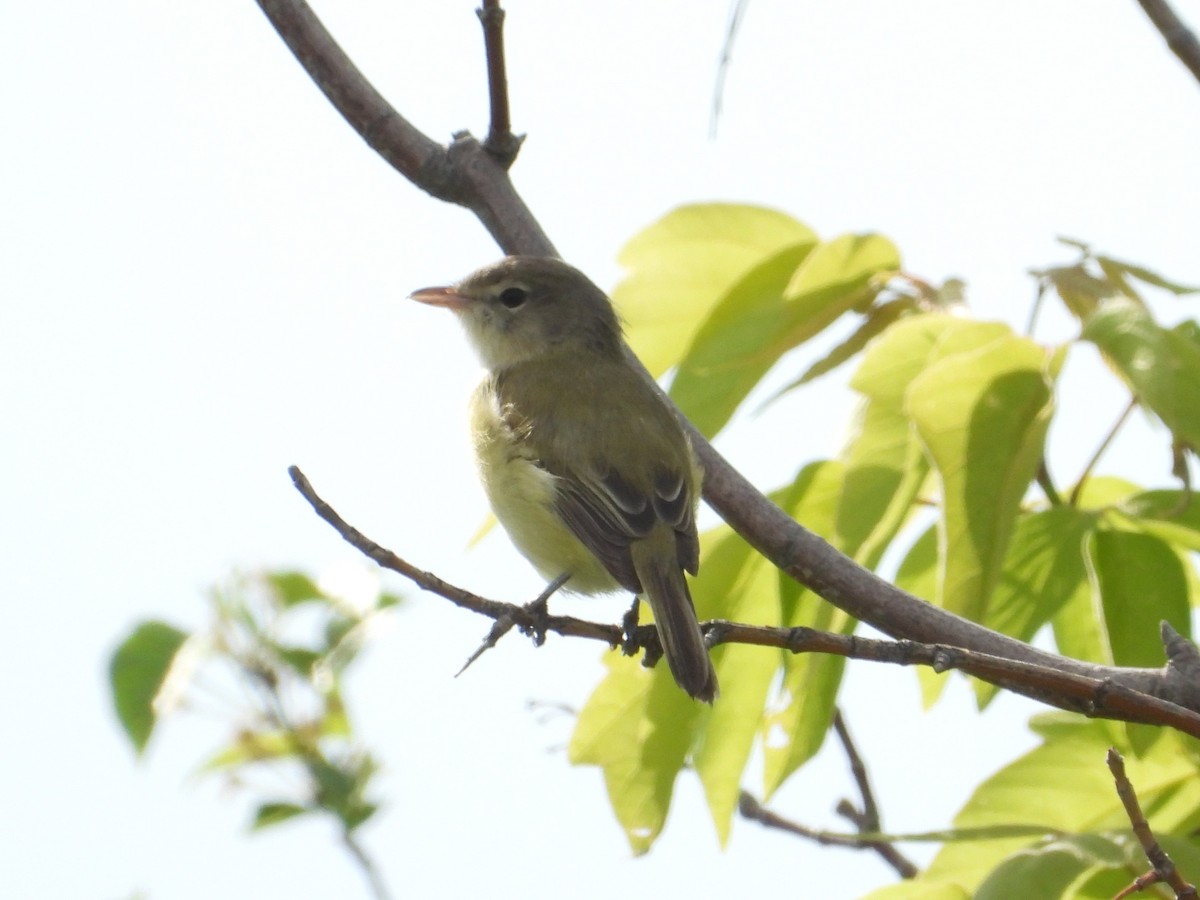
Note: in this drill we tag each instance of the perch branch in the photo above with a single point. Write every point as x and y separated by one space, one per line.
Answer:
465 173
1093 695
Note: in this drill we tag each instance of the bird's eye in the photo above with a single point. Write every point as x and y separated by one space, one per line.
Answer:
513 297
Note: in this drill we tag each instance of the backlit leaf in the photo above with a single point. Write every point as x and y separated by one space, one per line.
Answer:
681 266
1160 365
136 673
1140 582
982 416
760 319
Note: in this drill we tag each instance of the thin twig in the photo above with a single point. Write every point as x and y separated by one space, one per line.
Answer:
731 30
463 173
867 819
1104 444
750 808
1034 311
1179 37
378 887
1164 868
500 141
1046 483
521 616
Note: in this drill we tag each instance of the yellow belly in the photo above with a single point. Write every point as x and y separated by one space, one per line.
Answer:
522 494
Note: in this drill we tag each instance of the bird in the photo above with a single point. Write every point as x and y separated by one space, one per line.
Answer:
582 459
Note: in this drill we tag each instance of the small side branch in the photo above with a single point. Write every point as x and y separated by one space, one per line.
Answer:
749 808
867 819
1164 870
500 141
1104 445
527 618
1090 695
1181 39
464 173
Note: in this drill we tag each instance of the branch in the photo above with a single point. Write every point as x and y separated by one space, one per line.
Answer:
1164 870
466 174
500 141
867 820
1097 694
463 173
1179 37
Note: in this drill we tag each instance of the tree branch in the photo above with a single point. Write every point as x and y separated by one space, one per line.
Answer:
500 141
1179 37
1098 693
867 820
463 173
466 174
1164 868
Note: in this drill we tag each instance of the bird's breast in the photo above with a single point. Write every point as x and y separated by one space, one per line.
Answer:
523 496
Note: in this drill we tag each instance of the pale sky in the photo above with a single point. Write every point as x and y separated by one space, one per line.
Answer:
203 272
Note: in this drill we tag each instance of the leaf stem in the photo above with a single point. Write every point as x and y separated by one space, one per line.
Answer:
1108 439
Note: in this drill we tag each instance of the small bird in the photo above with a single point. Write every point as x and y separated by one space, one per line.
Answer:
584 463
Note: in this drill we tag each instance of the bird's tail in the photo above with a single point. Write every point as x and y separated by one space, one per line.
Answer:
675 616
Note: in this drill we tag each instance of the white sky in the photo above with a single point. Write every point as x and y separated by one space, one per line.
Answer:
202 271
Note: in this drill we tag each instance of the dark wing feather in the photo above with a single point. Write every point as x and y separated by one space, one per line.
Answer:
606 520
607 513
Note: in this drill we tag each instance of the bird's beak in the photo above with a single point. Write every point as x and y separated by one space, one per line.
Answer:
448 297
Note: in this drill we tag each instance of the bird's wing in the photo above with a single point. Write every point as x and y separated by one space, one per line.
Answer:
607 513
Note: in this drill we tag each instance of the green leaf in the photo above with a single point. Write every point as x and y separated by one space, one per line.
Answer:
638 728
730 352
300 659
982 416
1043 571
269 814
911 346
1103 491
1081 291
136 673
739 584
255 747
681 266
1160 365
1173 516
294 588
885 467
1141 582
920 888
795 726
777 306
387 600
1051 867
878 319
1145 275
1065 787
917 573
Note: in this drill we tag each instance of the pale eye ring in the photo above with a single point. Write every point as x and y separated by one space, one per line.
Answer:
512 297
